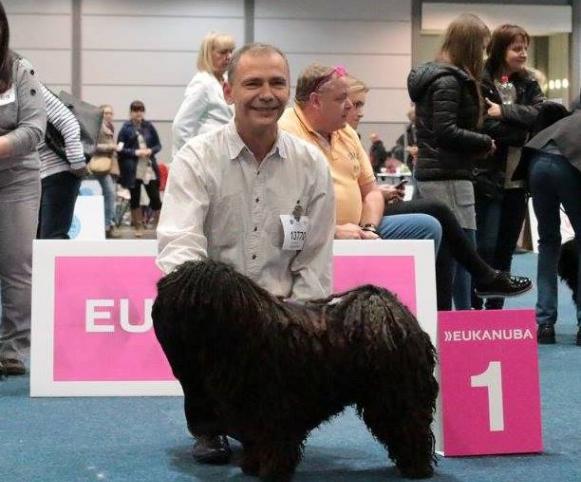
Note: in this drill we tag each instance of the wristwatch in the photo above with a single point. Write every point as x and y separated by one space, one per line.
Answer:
370 227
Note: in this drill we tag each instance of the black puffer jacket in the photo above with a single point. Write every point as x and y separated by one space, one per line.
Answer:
516 122
446 118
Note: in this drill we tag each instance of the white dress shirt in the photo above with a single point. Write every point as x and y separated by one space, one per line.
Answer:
221 203
203 110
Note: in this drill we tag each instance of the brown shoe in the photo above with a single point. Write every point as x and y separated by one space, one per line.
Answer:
211 450
13 367
112 233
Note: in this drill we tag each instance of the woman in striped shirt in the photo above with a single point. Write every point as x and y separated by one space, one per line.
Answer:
61 177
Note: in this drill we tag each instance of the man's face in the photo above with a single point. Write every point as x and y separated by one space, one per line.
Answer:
259 91
355 114
334 104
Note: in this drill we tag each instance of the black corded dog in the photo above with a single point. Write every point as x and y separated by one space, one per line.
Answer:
267 372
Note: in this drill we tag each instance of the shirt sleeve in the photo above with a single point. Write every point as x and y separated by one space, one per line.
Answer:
188 120
65 122
31 113
180 231
312 267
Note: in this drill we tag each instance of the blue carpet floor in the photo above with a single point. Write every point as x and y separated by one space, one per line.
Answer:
145 439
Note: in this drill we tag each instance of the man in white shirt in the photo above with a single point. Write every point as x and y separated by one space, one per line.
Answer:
234 194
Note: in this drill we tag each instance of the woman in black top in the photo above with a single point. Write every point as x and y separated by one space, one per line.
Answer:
501 202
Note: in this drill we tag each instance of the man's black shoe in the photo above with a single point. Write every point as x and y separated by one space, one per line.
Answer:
546 335
13 367
578 342
211 450
504 285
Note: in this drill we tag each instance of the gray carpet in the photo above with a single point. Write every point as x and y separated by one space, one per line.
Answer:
145 439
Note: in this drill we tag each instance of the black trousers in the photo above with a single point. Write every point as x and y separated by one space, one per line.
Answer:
455 246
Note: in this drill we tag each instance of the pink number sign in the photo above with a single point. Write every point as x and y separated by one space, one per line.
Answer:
489 382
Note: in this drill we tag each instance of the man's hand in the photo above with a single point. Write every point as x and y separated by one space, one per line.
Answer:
369 235
353 231
494 110
348 231
392 193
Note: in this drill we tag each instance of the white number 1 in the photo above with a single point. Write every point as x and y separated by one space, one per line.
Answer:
492 380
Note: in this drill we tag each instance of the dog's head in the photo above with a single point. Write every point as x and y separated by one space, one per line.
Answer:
208 292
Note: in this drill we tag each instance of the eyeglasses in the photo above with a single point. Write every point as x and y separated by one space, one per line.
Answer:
338 70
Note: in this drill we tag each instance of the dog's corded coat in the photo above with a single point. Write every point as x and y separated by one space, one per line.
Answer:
267 372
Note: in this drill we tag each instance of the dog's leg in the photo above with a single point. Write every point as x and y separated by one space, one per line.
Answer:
278 459
250 463
406 435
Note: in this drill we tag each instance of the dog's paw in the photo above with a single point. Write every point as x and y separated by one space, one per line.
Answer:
417 472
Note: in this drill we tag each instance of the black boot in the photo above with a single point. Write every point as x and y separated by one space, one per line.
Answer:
546 335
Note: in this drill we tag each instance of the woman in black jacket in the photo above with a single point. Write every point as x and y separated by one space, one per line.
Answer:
501 202
448 115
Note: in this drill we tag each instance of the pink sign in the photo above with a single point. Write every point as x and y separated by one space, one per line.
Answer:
489 382
396 273
102 320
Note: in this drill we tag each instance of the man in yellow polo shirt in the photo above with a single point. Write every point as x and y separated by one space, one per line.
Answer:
320 117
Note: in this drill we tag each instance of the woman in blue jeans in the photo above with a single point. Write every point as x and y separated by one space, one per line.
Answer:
555 179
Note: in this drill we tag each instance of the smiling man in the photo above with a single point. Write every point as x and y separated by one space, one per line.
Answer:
253 196
320 117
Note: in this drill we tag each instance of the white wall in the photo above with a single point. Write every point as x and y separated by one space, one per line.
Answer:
371 38
147 49
41 31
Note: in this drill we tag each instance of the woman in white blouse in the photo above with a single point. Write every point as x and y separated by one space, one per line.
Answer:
204 108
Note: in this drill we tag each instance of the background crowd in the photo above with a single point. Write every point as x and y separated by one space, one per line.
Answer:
475 109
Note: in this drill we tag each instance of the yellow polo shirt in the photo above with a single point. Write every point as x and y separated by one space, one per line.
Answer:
348 161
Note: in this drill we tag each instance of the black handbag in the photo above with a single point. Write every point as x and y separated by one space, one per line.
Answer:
88 116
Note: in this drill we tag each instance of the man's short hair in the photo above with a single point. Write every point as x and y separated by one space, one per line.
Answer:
137 106
313 78
253 49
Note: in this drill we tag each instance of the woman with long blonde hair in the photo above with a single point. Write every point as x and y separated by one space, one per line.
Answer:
447 96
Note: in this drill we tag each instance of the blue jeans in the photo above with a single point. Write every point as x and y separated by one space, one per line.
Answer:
462 288
411 226
109 195
57 205
553 181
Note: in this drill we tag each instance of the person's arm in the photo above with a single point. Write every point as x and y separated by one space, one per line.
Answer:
155 146
525 115
312 267
373 205
126 136
180 232
187 122
373 202
446 99
66 123
31 116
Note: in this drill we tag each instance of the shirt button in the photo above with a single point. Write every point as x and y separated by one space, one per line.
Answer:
257 173
253 256
257 199
255 228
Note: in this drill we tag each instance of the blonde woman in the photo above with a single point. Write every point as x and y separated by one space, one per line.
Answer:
204 108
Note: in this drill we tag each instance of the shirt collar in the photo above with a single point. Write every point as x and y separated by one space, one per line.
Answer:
236 145
305 122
